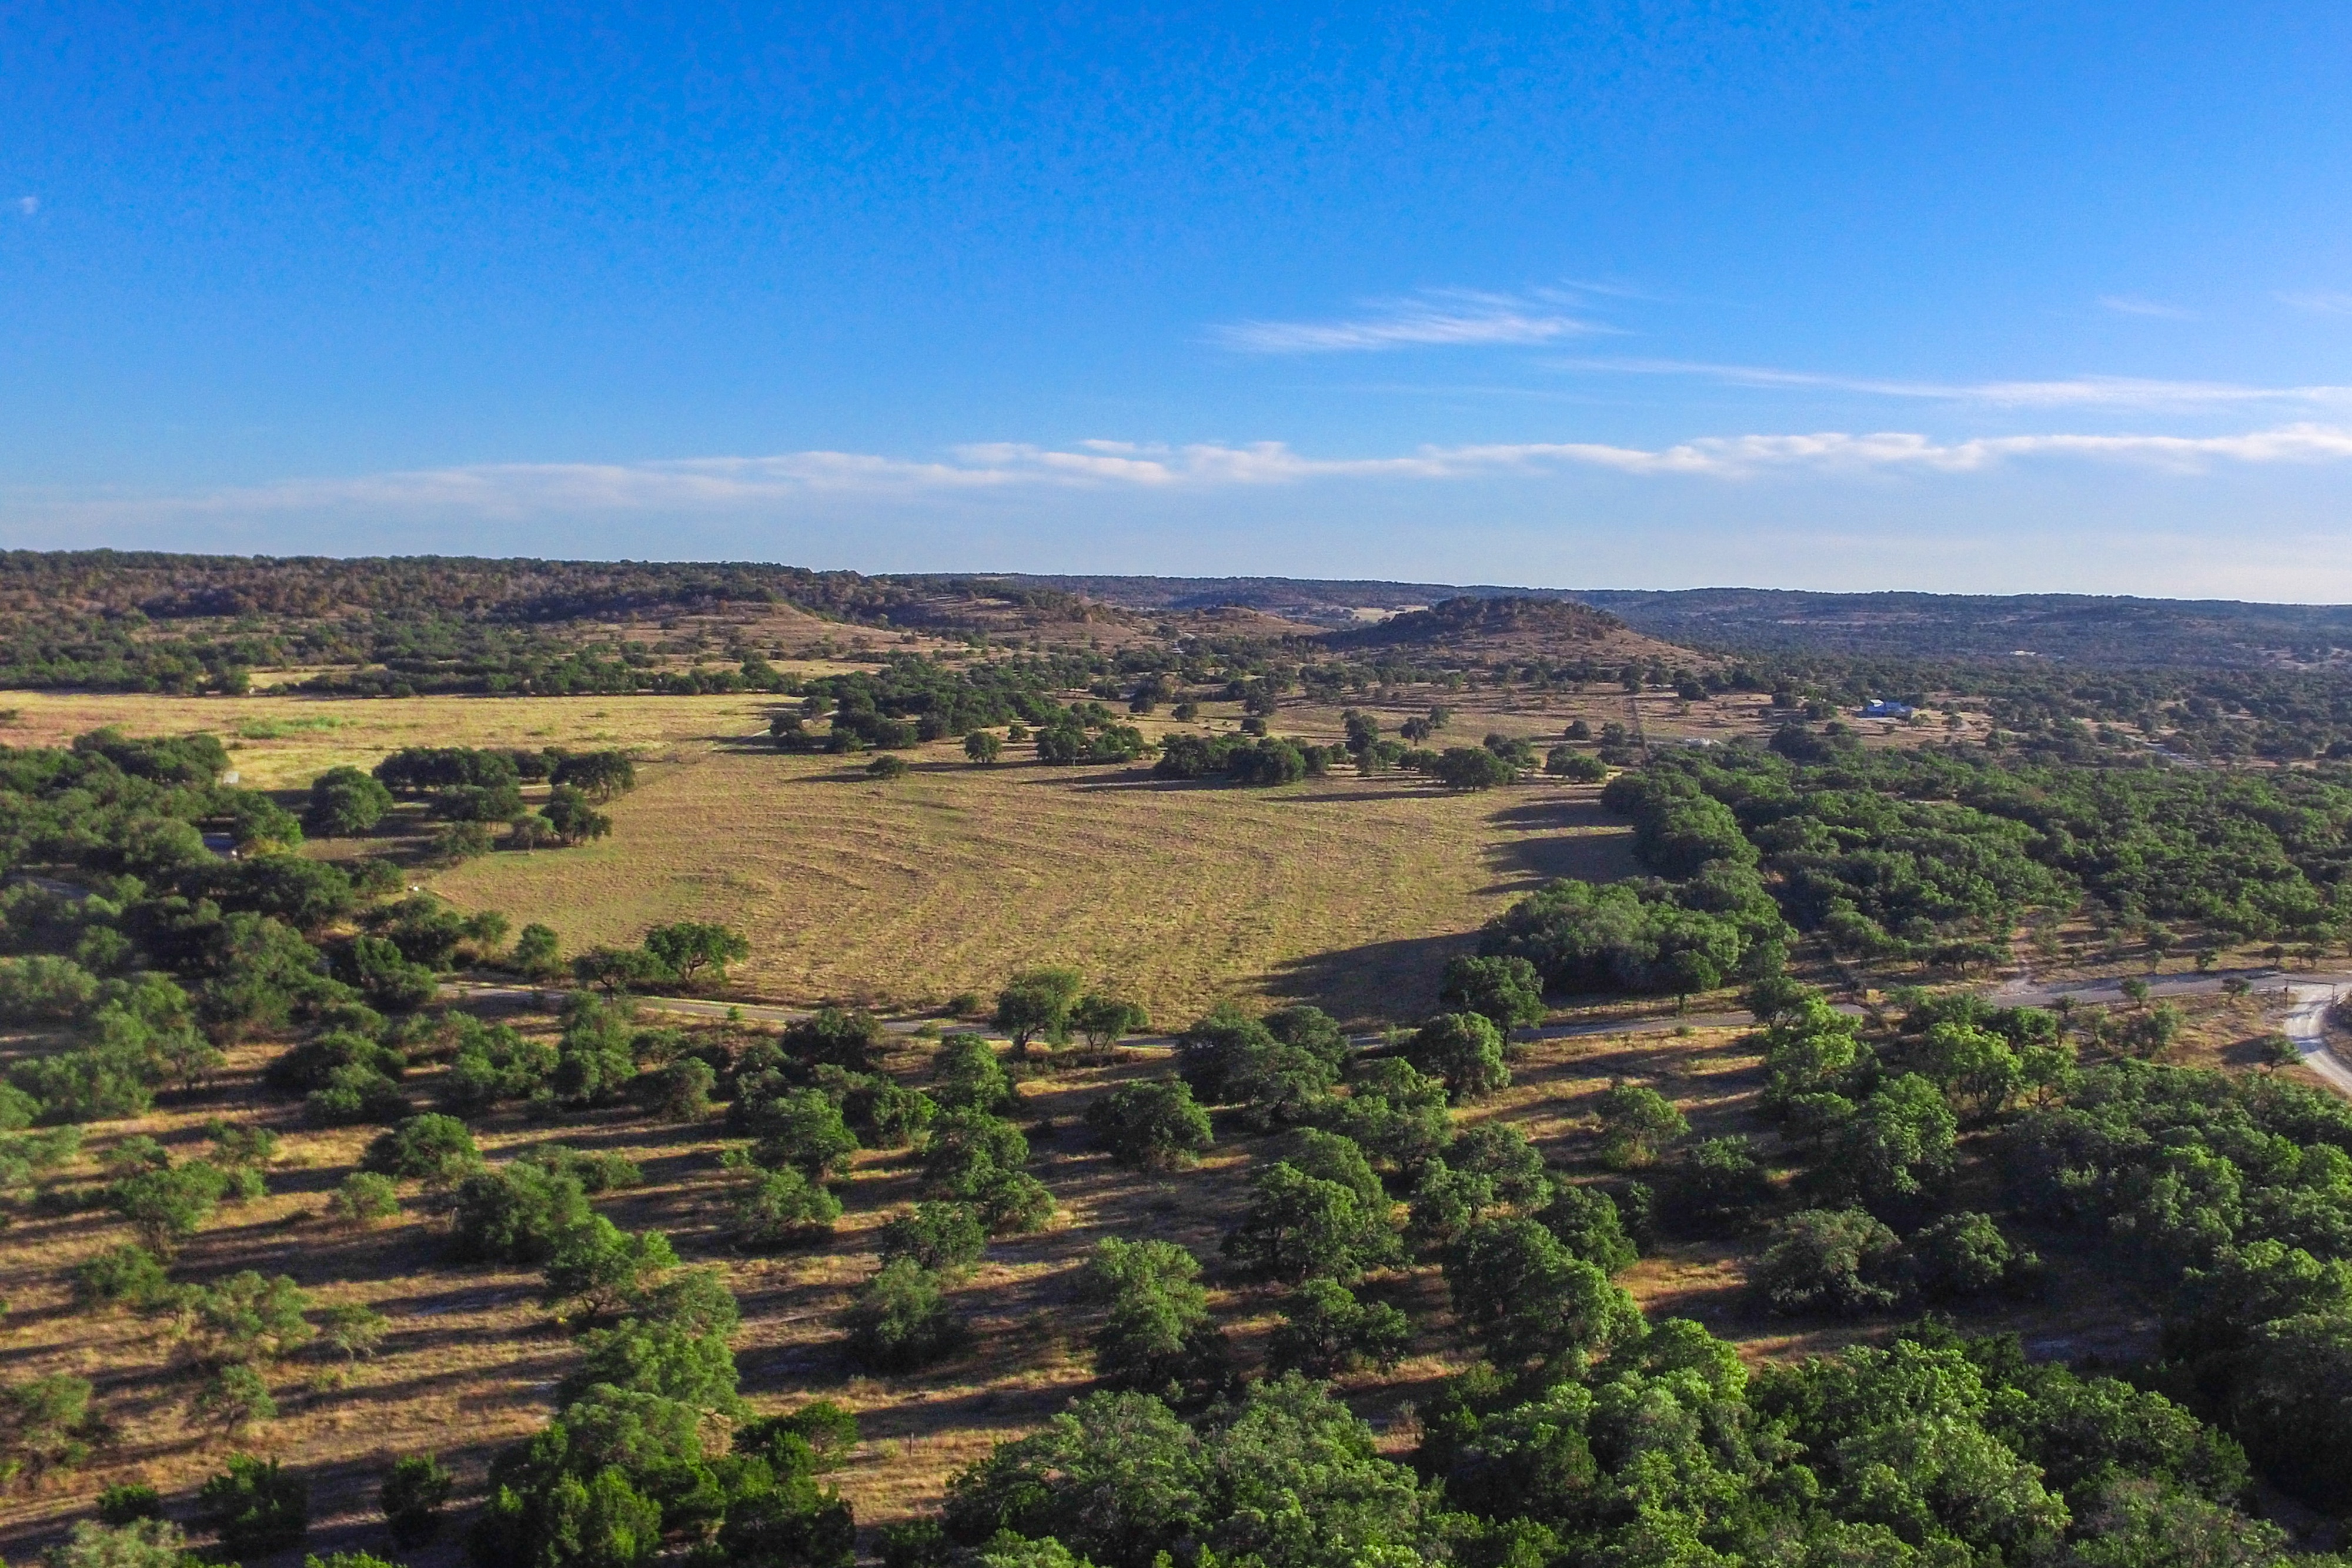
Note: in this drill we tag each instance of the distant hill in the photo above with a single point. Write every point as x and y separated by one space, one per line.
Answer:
2084 628
1468 623
2080 628
1336 602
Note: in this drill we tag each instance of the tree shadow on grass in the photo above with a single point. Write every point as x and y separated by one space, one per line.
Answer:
1571 838
1377 983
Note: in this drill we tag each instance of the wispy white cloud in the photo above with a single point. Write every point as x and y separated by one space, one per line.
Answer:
2320 301
2133 305
522 491
27 206
2073 392
1432 319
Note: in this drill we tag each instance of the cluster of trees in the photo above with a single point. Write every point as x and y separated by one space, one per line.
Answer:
1718 925
683 954
1937 853
1260 760
470 789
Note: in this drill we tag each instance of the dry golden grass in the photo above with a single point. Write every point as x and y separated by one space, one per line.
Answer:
1346 891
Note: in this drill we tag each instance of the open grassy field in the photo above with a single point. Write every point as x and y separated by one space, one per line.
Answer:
1346 891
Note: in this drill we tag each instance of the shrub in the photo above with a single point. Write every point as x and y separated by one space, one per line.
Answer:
255 1508
1463 1049
801 1128
1152 1124
412 1496
514 1215
1326 1331
1964 1255
354 1329
940 1236
1013 1203
153 1543
249 1317
1716 1187
235 1398
1637 1121
1841 1262
127 1503
46 1424
436 1150
594 1171
781 1209
899 1322
127 1276
600 1266
1156 1333
167 1206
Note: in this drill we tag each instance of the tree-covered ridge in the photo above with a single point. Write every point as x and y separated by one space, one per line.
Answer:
1897 854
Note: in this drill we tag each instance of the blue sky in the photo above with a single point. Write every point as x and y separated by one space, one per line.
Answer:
1976 297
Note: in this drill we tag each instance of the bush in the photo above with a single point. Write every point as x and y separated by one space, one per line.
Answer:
899 1322
46 1424
235 1398
127 1503
1963 1255
1013 1203
802 1128
255 1508
600 1266
167 1206
1463 1049
514 1215
435 1150
965 1148
412 1496
1506 992
1156 1333
594 1171
781 1208
136 1543
1637 1121
1841 1262
1151 1125
126 1276
1716 1187
1326 1331
942 1236
1301 1227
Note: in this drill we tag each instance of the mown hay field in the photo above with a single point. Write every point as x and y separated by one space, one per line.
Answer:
1349 892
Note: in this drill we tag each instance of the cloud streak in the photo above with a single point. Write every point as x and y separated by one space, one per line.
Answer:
2073 392
514 491
2133 305
1449 317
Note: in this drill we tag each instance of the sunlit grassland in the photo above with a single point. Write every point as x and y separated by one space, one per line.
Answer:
1348 891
